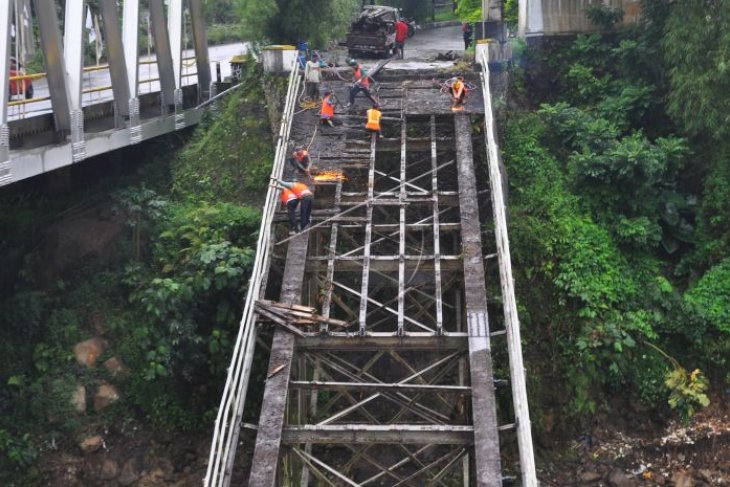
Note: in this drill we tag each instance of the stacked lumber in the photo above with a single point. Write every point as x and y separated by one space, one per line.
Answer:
294 317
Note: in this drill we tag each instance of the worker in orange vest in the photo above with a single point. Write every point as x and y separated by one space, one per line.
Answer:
373 123
327 112
291 202
458 92
301 162
360 83
304 197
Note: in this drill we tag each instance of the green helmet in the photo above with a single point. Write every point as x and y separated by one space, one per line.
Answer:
351 62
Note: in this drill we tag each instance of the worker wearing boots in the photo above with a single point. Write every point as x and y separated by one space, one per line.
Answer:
360 83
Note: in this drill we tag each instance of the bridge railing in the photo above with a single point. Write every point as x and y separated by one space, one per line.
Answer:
230 412
19 107
512 322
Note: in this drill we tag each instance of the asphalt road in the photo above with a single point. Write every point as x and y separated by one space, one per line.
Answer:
427 43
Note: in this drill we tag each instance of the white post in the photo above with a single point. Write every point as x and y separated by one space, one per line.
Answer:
522 19
130 36
5 12
175 28
73 53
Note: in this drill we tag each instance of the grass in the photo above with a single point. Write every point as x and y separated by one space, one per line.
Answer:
444 15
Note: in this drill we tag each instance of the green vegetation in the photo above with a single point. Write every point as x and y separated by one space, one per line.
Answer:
619 215
291 21
166 298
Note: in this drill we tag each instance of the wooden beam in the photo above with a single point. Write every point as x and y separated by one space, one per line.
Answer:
436 233
265 463
378 433
391 342
368 238
377 386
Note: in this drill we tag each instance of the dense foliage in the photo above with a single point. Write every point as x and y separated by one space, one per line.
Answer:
619 217
291 21
166 298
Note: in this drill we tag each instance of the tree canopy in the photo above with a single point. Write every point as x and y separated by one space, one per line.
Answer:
291 21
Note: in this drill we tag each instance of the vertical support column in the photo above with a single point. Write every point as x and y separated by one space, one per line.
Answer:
27 47
522 18
175 28
402 226
48 26
484 408
200 39
164 53
436 233
130 29
368 239
5 174
116 55
73 52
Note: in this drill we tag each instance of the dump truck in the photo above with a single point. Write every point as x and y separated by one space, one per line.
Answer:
374 31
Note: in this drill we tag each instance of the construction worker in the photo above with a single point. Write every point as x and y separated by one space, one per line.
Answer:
301 162
401 34
290 201
327 112
360 83
312 75
458 92
373 123
304 197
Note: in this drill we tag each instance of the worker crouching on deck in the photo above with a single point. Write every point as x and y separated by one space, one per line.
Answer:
302 197
458 93
373 123
327 112
301 162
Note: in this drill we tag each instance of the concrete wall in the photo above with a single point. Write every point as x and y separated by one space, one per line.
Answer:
558 17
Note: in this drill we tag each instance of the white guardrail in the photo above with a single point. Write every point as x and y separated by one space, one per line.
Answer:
512 321
230 412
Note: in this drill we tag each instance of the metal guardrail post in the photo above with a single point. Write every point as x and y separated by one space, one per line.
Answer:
512 322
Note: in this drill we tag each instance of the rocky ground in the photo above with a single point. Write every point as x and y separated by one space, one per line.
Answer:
680 455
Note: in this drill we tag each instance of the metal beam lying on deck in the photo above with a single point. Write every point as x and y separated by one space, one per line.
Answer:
484 408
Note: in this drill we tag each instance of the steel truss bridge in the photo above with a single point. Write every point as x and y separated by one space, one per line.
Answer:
75 129
407 395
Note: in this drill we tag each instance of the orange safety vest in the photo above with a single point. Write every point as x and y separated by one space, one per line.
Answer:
373 119
358 75
458 88
328 110
301 190
287 195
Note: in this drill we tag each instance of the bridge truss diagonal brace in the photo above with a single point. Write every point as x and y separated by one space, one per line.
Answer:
53 57
130 28
200 40
484 408
117 62
163 50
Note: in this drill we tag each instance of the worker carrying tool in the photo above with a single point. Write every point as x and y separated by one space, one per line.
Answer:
303 197
458 92
327 112
360 83
373 122
301 162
